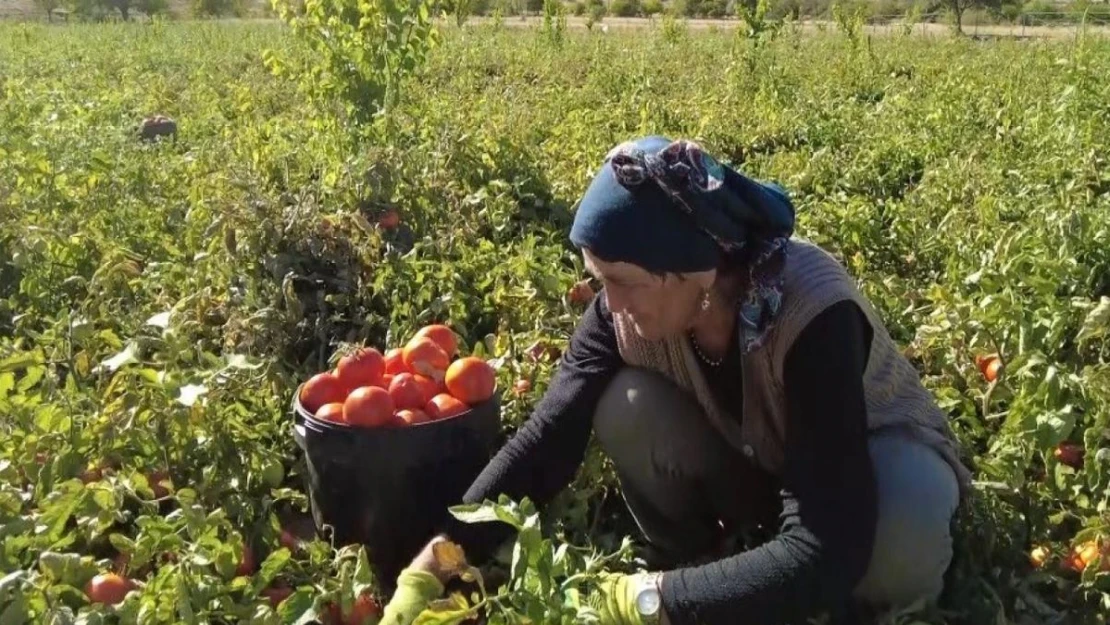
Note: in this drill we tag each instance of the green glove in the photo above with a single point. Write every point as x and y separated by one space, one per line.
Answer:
415 589
615 600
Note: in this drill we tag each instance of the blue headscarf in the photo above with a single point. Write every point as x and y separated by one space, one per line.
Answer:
668 206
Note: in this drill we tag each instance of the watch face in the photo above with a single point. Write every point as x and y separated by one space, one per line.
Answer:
648 602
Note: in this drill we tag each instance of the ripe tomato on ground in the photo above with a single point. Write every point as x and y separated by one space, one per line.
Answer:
276 594
990 366
365 608
246 562
1070 454
108 588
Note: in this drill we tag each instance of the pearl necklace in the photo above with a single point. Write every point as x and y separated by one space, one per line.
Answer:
697 350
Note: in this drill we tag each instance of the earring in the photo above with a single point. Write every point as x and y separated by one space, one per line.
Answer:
705 303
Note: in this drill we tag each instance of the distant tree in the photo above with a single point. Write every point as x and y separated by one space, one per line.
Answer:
959 7
152 7
123 6
48 6
216 8
624 8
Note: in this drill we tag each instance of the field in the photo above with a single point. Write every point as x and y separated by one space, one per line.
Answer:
160 302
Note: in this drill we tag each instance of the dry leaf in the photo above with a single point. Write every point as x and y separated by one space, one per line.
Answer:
449 556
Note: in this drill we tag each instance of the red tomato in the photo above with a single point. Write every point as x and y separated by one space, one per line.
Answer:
368 406
108 588
389 219
246 562
444 406
322 388
157 481
362 368
365 608
395 361
277 594
331 412
471 380
289 541
1070 454
424 356
443 336
428 388
412 417
406 392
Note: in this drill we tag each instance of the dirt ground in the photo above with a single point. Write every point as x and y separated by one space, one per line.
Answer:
936 30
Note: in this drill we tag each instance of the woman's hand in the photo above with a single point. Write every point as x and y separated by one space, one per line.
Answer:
615 600
419 584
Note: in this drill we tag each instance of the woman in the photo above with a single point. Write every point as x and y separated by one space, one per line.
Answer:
732 373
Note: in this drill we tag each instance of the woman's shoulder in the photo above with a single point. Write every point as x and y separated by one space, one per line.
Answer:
814 282
812 272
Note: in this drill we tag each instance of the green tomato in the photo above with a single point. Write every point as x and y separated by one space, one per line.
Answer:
273 474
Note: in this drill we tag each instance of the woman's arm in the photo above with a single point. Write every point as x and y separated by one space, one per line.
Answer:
543 456
829 501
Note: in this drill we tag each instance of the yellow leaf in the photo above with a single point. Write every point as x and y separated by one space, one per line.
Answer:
449 556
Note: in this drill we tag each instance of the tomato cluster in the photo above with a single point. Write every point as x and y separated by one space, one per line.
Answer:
423 381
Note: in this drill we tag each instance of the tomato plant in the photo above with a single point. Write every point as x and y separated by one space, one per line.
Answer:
160 301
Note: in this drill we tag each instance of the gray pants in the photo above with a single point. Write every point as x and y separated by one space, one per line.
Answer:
689 492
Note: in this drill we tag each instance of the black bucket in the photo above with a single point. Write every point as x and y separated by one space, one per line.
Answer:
389 488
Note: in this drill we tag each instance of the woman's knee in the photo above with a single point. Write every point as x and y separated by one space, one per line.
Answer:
918 495
644 417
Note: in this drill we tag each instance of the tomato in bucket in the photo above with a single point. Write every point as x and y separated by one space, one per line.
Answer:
386 480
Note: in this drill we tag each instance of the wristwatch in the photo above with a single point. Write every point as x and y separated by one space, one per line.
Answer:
649 601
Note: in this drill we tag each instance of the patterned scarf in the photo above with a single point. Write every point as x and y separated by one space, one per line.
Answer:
736 212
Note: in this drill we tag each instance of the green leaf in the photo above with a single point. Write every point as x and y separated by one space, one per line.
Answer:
58 511
364 575
20 361
1097 322
274 565
298 608
60 615
122 543
68 568
31 378
7 383
16 612
475 513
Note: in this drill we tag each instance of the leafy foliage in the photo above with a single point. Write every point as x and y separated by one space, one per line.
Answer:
160 301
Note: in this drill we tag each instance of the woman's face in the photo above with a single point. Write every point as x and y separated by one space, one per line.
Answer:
658 306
